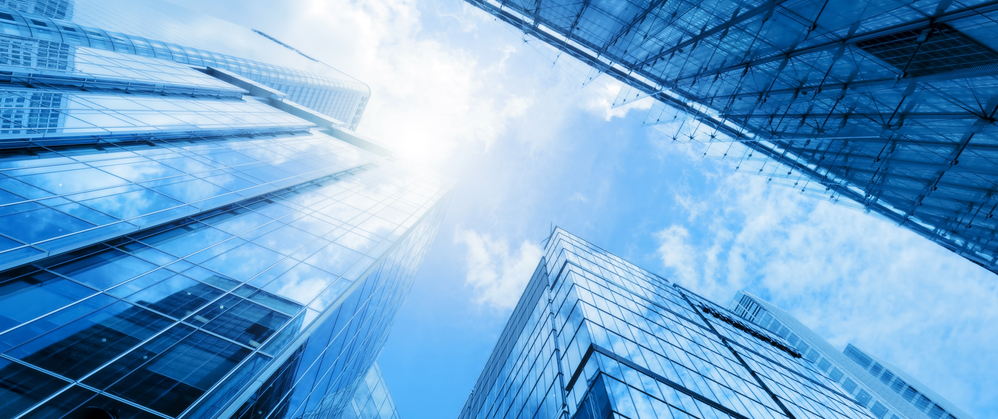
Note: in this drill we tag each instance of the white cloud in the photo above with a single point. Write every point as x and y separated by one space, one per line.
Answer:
427 98
677 254
497 272
852 277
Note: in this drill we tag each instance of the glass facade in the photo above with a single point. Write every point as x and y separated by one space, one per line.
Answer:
371 399
594 336
179 240
156 29
887 391
883 104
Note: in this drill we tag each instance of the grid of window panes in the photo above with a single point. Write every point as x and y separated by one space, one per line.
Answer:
629 342
152 28
371 400
876 102
183 304
76 193
170 243
875 395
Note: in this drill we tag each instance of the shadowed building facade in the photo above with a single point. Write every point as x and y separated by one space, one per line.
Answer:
885 104
595 337
886 390
178 237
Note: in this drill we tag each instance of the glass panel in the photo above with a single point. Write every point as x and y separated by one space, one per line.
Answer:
22 387
243 262
105 269
334 259
38 327
32 222
246 322
85 404
176 296
112 373
77 348
173 380
28 293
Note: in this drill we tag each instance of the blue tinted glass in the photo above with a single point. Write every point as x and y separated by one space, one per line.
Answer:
171 381
126 205
29 293
32 222
122 366
105 269
186 239
213 278
247 323
302 283
79 347
243 262
334 259
285 240
83 403
176 296
21 387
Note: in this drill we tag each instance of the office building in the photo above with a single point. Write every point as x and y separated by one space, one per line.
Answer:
887 391
178 237
594 336
887 105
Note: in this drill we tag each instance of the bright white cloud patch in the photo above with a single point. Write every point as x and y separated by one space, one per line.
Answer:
850 276
426 98
497 271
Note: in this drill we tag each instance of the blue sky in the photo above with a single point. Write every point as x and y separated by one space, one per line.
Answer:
532 147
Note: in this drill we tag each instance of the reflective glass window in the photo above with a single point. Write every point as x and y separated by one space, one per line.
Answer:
84 403
27 293
171 381
21 387
175 296
105 269
78 347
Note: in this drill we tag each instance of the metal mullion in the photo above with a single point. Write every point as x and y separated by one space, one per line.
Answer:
978 9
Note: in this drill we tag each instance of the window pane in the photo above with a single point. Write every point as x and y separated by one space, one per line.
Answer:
173 380
105 269
81 346
21 387
176 296
29 293
84 403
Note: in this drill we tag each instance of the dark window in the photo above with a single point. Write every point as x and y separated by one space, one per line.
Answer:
922 402
39 23
945 49
876 369
6 16
887 377
858 356
936 412
21 387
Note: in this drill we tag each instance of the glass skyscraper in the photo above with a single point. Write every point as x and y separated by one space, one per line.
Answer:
189 228
890 105
886 390
595 337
